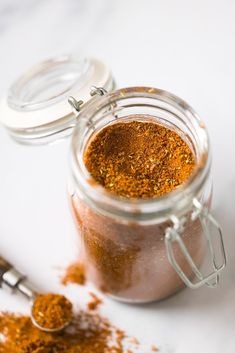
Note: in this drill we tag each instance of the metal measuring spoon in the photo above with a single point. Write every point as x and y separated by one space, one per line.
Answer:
12 279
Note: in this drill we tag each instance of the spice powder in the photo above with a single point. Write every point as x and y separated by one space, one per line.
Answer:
74 274
139 159
52 311
88 333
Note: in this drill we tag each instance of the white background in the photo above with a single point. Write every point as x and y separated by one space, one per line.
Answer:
186 47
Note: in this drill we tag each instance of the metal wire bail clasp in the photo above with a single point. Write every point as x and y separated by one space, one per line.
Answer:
173 234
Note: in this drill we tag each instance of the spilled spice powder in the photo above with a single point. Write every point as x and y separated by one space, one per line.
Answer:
134 341
88 333
74 273
52 311
139 159
154 348
94 303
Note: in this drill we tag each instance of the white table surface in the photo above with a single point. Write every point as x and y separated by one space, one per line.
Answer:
186 47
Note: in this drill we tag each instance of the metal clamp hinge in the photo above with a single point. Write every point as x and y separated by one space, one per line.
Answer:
173 234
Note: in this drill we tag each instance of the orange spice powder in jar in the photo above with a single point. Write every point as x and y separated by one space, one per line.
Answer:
137 179
139 159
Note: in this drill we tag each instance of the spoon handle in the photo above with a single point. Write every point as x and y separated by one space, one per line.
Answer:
4 267
14 280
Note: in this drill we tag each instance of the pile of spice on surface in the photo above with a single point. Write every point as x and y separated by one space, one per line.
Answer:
139 159
88 332
74 273
52 311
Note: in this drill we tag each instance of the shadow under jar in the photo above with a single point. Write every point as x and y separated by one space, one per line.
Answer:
141 250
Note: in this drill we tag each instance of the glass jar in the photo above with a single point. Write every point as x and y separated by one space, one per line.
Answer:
144 250
134 250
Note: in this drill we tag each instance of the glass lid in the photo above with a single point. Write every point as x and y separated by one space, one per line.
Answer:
36 109
49 83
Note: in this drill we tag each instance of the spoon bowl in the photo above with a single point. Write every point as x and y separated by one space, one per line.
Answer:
59 304
48 330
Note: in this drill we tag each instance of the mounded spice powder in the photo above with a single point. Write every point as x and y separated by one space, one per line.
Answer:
139 159
52 311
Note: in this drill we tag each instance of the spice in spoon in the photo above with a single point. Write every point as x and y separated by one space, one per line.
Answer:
52 311
139 159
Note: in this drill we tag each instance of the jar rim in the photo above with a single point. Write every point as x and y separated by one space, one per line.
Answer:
176 202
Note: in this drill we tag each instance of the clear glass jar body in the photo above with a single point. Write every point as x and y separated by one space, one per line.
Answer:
122 242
